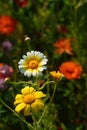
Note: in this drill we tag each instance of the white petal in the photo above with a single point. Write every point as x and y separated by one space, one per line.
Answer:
28 53
22 66
24 56
22 70
21 61
40 55
43 62
28 73
36 53
32 53
42 68
35 72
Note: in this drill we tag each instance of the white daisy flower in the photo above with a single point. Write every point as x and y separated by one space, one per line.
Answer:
33 63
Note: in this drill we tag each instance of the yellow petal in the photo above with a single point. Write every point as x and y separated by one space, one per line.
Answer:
37 105
27 110
27 90
18 101
18 96
57 74
31 90
19 107
53 73
39 94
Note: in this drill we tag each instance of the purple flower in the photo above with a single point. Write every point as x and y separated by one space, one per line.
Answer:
7 46
3 85
5 73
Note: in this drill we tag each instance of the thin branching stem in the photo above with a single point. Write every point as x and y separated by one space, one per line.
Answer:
28 124
46 83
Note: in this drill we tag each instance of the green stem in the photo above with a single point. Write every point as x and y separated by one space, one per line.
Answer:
86 78
53 94
45 109
46 83
23 82
28 124
22 126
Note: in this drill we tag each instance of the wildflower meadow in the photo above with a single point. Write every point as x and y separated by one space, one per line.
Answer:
43 64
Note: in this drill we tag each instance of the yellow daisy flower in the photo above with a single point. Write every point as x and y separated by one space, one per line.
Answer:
33 63
56 75
29 99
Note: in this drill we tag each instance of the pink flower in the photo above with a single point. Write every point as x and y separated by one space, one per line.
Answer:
7 46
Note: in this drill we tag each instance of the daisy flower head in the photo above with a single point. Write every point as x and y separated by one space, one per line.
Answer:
32 64
28 100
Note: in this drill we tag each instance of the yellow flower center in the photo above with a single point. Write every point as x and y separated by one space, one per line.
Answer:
29 99
33 64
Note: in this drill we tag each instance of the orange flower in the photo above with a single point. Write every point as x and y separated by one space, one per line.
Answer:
71 70
1 64
63 45
7 25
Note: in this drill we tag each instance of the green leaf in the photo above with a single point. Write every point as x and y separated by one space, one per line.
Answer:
70 2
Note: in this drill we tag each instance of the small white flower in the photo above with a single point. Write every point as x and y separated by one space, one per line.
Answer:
33 63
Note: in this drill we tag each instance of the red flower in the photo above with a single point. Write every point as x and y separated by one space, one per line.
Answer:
21 3
63 45
71 70
7 24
